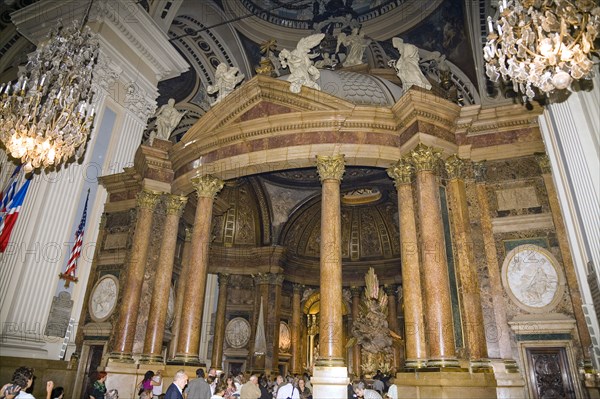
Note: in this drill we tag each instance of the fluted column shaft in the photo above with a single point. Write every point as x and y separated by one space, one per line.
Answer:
473 325
438 311
219 337
331 348
179 296
563 244
296 324
130 302
356 291
416 349
191 318
162 281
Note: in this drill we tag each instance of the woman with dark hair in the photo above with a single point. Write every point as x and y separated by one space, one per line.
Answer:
146 384
98 389
58 393
21 381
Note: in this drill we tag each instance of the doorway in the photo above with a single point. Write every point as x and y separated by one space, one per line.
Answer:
94 360
549 375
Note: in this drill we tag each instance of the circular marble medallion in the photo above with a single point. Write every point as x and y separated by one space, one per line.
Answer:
533 278
104 298
237 332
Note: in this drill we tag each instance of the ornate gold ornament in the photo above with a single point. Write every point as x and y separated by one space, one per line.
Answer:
207 185
330 167
401 172
175 204
425 158
455 167
147 199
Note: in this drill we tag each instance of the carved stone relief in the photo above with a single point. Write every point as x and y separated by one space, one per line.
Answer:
237 332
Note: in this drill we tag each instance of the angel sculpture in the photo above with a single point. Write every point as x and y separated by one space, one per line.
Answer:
355 44
407 66
226 78
299 60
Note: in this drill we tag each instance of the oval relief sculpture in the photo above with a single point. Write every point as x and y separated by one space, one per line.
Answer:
285 337
533 278
237 332
104 298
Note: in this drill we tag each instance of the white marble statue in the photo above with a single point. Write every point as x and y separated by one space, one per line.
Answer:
226 79
407 66
167 119
299 60
325 62
355 46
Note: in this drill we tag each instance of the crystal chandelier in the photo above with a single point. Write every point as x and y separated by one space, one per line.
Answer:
542 43
47 114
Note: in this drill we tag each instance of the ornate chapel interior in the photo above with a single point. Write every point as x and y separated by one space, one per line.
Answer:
243 239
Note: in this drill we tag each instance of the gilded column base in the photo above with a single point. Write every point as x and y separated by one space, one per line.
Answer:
481 366
121 357
186 360
415 363
152 359
442 363
330 362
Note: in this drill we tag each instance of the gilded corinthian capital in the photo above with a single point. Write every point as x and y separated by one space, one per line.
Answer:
401 171
455 167
425 158
207 185
330 167
147 199
175 204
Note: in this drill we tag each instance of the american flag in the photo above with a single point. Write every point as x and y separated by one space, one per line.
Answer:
69 274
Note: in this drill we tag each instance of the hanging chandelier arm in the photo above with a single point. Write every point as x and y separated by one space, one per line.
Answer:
86 16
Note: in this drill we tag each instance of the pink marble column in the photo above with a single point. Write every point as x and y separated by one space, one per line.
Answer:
438 311
392 320
134 277
473 326
296 360
356 360
162 282
179 294
415 344
331 345
188 344
219 337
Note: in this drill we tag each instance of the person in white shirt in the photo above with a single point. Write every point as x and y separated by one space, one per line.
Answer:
392 392
157 385
288 390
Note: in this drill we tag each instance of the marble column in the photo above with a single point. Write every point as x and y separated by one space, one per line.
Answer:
273 318
219 337
415 344
330 375
331 348
473 325
296 361
179 291
502 332
563 244
392 320
188 344
356 291
438 311
134 277
155 329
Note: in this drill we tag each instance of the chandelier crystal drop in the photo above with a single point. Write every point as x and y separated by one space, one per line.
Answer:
544 44
47 114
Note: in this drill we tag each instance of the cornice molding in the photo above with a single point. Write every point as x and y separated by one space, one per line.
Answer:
132 23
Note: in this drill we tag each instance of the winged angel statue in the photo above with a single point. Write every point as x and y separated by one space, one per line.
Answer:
302 70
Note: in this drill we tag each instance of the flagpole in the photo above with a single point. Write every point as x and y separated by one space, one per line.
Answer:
69 273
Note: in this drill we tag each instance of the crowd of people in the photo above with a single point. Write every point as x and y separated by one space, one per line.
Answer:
240 386
211 385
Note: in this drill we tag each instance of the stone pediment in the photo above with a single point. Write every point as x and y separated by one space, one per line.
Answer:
261 97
